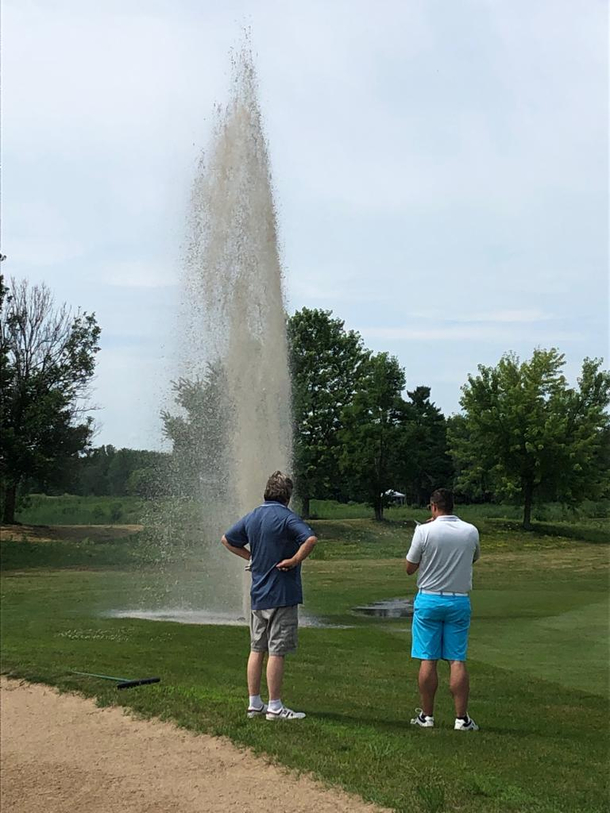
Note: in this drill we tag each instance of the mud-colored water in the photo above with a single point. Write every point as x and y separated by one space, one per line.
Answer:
230 420
187 616
390 608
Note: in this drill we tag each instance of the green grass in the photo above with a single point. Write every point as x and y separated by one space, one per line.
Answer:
73 546
365 538
548 512
538 662
40 509
58 553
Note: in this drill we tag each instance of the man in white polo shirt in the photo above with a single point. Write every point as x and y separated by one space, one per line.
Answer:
443 550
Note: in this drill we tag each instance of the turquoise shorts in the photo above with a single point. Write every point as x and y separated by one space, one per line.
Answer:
440 627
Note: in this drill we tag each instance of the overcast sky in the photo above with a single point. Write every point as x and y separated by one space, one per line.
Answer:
440 167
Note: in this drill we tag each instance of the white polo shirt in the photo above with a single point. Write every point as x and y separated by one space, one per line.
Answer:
445 550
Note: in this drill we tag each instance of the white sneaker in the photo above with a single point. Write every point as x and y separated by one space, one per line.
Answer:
423 720
257 712
285 714
460 725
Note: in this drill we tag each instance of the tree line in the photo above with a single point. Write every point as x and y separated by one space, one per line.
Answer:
523 434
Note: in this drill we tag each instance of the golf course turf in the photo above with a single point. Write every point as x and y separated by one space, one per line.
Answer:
538 660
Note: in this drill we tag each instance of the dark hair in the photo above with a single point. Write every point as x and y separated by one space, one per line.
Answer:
279 488
443 499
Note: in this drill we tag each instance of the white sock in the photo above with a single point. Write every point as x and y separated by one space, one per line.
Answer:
255 701
275 705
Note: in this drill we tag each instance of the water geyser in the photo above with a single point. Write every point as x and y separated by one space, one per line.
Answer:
230 425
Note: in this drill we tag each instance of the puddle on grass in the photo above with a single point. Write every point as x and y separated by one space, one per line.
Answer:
390 608
187 616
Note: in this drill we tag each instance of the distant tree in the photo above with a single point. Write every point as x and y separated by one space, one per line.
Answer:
472 481
199 436
149 482
535 437
106 471
327 363
139 472
122 463
372 436
6 371
425 455
93 469
47 360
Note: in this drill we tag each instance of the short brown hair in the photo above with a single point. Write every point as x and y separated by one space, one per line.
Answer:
279 488
443 499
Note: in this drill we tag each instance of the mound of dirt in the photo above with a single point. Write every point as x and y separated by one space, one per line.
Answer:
70 533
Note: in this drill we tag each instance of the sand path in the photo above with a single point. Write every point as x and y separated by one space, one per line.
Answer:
61 753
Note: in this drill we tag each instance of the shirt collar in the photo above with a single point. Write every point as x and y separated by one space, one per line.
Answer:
447 517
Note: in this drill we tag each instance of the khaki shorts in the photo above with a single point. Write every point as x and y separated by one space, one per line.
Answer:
274 631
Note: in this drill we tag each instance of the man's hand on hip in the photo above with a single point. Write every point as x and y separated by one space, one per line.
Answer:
302 554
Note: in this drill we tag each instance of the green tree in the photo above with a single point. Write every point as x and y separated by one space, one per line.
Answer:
327 364
200 435
106 471
93 471
472 482
47 361
426 460
149 482
373 435
534 436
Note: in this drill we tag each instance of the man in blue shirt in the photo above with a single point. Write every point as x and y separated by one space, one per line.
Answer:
278 542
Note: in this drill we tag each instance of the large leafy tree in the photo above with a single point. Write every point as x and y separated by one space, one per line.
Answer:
328 365
533 435
472 481
426 462
372 436
47 360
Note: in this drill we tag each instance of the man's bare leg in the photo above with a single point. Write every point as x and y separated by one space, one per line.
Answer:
275 676
459 685
255 671
428 684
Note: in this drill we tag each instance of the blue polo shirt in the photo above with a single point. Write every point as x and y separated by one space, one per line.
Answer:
273 532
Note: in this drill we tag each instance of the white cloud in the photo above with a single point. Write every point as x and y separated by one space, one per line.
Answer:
526 315
473 333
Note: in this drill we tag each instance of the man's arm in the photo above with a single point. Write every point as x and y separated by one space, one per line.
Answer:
302 553
244 553
415 551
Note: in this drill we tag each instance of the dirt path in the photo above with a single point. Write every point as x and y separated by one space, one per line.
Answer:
49 533
62 754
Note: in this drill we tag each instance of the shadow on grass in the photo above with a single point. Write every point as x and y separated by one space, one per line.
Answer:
596 534
582 533
395 727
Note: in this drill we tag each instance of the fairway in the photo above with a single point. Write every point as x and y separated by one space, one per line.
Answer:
538 658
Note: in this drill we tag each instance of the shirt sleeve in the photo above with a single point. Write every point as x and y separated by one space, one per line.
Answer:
298 530
237 534
417 543
477 550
